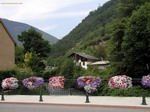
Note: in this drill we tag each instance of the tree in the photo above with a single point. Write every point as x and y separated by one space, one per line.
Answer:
127 7
35 44
27 59
116 54
136 44
36 64
67 68
100 51
19 56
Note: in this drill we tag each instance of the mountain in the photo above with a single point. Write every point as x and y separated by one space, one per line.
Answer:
15 28
91 31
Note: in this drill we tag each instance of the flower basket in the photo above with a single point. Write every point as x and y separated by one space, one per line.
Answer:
56 82
121 82
146 81
33 82
89 83
10 83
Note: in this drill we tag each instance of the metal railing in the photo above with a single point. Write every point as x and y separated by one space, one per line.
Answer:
71 87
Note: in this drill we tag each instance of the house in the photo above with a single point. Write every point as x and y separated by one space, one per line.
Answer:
7 48
83 59
100 64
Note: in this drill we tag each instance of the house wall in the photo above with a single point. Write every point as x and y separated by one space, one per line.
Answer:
7 50
82 61
84 64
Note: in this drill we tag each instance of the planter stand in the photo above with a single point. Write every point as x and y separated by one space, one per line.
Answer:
87 98
41 99
2 96
143 100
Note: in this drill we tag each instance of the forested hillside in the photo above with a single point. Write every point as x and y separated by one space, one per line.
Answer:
90 31
118 31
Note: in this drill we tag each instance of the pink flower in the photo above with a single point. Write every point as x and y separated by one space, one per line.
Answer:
121 82
57 82
10 83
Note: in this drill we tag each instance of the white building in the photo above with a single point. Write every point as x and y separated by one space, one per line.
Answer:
83 59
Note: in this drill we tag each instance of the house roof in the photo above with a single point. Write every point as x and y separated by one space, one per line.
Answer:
1 21
85 56
100 63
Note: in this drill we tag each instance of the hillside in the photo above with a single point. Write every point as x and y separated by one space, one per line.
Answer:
15 28
90 31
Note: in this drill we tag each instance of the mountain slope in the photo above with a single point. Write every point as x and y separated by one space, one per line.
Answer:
92 28
15 28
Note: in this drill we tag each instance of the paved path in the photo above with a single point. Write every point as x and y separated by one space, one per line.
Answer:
78 100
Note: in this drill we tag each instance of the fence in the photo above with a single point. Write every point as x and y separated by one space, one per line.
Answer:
67 90
70 88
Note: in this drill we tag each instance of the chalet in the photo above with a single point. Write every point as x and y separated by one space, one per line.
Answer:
83 59
7 48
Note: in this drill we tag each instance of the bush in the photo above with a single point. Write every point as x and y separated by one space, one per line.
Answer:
48 74
24 91
137 91
8 73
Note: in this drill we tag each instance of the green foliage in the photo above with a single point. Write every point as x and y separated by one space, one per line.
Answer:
124 24
27 59
116 54
126 7
35 44
8 73
48 74
19 56
136 44
36 63
136 91
24 91
100 52
130 42
89 32
71 72
67 68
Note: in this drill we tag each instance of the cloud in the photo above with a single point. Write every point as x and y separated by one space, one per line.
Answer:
47 12
33 9
47 28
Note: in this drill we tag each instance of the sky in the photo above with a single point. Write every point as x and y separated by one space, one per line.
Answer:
56 17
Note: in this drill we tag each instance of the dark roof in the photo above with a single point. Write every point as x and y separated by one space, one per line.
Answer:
85 56
1 21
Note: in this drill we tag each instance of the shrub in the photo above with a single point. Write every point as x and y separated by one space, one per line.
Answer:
8 73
